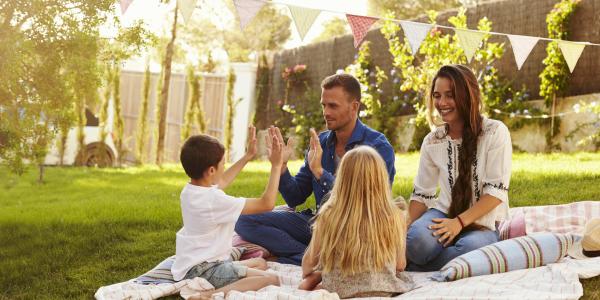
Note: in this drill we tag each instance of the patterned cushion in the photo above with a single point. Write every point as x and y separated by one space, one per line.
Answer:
513 227
162 272
252 250
514 254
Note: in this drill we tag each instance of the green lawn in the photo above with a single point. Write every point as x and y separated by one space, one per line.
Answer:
85 228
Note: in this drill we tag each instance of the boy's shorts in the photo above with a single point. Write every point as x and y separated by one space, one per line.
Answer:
218 273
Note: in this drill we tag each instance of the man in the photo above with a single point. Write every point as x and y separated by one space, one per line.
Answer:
287 234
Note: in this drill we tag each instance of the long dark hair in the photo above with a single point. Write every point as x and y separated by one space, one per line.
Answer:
467 97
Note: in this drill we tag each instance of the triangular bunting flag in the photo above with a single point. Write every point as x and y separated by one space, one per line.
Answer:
571 52
469 40
415 33
360 25
522 46
303 18
186 7
124 5
247 9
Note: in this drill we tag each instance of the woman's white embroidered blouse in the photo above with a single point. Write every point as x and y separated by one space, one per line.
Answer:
438 166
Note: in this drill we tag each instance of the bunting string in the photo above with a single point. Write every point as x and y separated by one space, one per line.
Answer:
125 4
436 25
415 32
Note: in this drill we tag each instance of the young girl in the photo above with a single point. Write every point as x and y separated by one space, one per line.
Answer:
468 158
358 241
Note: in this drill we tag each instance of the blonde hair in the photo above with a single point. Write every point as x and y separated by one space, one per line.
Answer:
359 229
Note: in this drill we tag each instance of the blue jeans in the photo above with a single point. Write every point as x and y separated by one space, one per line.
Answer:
425 253
285 234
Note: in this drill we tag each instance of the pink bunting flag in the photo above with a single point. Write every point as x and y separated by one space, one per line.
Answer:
360 26
124 5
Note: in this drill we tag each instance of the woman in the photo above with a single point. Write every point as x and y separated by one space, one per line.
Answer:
469 158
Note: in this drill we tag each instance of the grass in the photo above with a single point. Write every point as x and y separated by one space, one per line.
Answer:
85 228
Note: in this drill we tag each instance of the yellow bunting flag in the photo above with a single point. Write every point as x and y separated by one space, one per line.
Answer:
571 52
303 18
469 41
186 7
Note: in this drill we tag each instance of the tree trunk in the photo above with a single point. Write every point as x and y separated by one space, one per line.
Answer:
553 110
164 94
62 144
192 82
230 114
81 120
142 137
41 177
118 115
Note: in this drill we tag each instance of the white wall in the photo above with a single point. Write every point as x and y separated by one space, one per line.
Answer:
244 88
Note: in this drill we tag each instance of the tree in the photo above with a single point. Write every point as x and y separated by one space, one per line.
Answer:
119 123
193 110
332 28
142 127
408 9
103 114
129 42
413 80
49 51
554 77
263 74
231 104
38 84
269 30
164 93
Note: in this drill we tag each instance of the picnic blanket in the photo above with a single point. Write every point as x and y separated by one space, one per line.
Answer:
554 281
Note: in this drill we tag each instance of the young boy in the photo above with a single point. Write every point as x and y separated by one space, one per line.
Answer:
203 245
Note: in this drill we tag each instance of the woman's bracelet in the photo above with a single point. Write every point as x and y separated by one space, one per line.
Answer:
462 224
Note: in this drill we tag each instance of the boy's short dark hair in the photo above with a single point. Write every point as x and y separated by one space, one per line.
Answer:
200 152
348 82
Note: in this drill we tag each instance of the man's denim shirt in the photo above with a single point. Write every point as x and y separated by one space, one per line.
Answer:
295 190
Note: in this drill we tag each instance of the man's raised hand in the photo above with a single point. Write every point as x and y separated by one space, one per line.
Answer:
315 154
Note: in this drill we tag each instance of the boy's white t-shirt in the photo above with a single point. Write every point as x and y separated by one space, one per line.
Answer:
209 217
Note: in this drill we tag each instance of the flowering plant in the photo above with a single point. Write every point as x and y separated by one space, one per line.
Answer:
294 74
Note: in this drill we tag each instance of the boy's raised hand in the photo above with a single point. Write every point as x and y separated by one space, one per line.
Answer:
287 148
251 148
276 149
